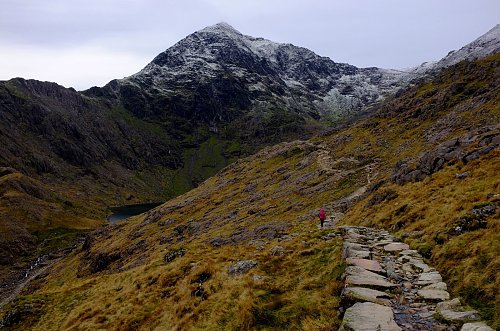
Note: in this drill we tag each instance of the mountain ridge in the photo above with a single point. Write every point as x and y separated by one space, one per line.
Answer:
294 76
243 250
483 46
162 132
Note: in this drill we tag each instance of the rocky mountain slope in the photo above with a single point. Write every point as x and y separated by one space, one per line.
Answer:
243 251
485 45
217 74
211 98
64 158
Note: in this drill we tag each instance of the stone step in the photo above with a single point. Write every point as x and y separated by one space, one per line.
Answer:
357 276
370 265
368 316
362 294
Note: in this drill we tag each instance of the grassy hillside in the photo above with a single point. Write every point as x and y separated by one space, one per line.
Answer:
423 165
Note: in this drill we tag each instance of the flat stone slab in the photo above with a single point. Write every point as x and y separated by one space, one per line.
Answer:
433 294
436 286
362 294
384 242
350 249
477 326
371 265
357 276
413 264
368 316
395 247
428 278
358 254
355 246
454 312
421 266
411 252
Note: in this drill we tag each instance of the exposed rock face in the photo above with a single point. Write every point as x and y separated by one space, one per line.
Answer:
45 125
172 255
466 149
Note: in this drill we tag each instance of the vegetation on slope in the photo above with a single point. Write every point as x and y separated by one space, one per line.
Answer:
96 152
423 165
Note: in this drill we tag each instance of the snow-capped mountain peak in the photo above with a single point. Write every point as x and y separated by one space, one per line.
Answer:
221 27
487 44
218 69
267 75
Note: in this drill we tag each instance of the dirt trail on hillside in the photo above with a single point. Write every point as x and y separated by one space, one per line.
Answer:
11 291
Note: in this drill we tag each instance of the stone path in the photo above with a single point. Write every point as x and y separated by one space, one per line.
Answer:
16 288
388 286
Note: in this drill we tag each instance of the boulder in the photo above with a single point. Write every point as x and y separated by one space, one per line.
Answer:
369 316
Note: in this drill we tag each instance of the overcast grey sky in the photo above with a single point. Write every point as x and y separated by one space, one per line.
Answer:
82 43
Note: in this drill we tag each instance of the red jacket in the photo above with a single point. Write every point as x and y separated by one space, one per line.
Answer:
322 214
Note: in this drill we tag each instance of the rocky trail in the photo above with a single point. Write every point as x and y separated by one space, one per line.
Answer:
388 286
10 291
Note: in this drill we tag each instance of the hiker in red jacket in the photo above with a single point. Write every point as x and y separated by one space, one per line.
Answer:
322 216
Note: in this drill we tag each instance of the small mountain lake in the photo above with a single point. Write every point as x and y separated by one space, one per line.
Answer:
120 213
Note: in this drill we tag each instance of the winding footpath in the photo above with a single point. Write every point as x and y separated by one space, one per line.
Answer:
390 287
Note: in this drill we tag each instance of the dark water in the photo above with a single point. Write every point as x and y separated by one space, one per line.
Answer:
123 212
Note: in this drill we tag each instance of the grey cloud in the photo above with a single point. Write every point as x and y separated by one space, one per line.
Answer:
383 33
